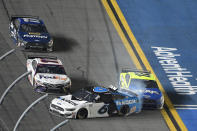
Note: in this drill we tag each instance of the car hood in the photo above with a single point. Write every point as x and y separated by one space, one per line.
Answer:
66 102
52 78
35 37
152 93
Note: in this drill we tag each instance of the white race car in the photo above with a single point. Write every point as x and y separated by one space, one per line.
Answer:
47 72
95 102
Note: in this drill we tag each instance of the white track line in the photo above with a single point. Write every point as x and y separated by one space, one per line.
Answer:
12 85
185 108
6 54
186 105
28 108
59 125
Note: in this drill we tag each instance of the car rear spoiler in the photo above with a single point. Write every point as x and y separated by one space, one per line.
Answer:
43 57
23 16
124 70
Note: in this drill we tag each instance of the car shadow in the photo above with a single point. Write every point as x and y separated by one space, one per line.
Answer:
62 44
77 84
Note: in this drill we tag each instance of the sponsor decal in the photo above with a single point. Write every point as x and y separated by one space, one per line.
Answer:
146 96
103 109
125 102
178 76
133 109
52 77
35 36
151 92
33 33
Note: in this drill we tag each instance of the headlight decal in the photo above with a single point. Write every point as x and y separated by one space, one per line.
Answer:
50 43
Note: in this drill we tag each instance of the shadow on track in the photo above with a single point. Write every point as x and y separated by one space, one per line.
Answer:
77 83
62 44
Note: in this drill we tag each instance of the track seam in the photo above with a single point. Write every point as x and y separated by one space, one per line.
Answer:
6 9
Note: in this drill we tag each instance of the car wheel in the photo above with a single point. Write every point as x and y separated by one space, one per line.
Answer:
65 90
34 83
26 47
160 106
82 113
49 49
124 110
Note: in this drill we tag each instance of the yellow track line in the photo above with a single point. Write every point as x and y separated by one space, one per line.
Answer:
121 34
168 120
146 63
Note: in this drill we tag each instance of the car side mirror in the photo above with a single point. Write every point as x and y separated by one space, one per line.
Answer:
11 25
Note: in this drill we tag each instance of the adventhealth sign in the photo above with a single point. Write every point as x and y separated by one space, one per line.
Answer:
178 76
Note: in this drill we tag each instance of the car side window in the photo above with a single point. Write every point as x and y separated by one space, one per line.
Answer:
118 97
34 64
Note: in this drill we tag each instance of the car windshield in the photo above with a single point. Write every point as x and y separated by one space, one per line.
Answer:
151 84
85 95
127 92
33 28
51 69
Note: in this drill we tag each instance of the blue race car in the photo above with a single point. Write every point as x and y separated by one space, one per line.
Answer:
144 84
30 32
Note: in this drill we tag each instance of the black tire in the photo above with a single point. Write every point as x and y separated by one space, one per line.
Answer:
82 113
34 85
26 47
49 49
124 110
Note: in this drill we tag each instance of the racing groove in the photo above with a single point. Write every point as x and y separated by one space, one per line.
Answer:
91 51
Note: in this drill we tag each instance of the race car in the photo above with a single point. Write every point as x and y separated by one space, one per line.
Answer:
95 102
30 32
47 72
144 84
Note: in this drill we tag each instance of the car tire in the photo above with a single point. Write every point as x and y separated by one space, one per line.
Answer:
65 90
160 106
34 84
49 49
82 113
124 110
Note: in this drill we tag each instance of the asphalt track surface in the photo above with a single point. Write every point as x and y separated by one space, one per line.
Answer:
92 52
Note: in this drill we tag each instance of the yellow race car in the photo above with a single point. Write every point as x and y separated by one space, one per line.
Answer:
144 84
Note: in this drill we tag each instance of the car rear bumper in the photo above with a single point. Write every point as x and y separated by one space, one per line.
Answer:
31 45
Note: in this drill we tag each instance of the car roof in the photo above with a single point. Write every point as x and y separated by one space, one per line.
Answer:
49 61
30 21
139 75
109 91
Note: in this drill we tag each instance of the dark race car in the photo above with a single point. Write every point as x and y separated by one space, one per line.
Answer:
30 32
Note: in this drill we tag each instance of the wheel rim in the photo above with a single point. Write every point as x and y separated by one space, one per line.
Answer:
82 114
124 110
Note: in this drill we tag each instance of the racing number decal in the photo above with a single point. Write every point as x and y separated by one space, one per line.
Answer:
103 109
125 80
